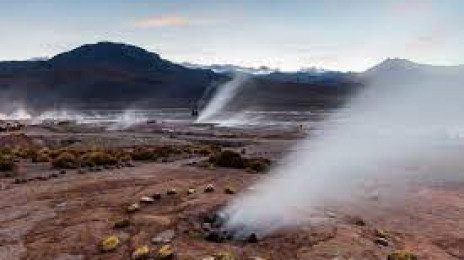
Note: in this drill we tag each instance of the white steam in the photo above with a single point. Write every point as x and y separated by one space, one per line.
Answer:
385 129
223 96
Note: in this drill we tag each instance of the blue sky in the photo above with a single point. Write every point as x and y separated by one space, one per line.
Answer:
291 34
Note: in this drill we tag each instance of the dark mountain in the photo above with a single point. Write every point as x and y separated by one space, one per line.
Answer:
119 75
104 73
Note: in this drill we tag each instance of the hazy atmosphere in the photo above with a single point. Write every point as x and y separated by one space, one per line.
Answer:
289 35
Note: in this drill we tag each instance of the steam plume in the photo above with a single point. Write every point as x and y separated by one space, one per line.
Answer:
223 96
416 120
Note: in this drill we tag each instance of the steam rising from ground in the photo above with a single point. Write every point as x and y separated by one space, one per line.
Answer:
384 129
223 96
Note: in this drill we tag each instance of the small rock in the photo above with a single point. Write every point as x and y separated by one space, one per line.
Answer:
81 171
191 191
62 172
256 258
156 196
129 164
381 241
229 190
121 223
209 188
164 237
147 200
109 244
381 233
165 253
133 208
331 214
171 191
358 221
141 252
53 175
223 256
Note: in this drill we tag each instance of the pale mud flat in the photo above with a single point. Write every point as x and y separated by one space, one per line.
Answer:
64 218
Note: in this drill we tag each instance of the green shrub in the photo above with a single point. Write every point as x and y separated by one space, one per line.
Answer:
92 159
65 160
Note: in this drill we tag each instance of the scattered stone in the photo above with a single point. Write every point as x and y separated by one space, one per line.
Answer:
53 175
171 191
253 238
133 208
331 214
98 169
381 241
209 188
141 252
129 164
401 255
109 244
223 256
164 237
147 200
62 172
229 190
121 223
165 253
81 171
156 196
191 191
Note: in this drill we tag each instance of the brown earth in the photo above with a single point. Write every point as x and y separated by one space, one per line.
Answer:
66 217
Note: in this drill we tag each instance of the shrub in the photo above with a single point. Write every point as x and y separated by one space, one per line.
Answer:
258 164
6 163
144 154
98 159
228 159
65 160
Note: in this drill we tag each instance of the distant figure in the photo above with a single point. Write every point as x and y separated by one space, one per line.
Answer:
194 109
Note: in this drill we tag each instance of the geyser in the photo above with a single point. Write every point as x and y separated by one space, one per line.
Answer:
221 98
386 128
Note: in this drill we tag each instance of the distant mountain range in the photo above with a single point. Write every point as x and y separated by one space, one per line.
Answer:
115 75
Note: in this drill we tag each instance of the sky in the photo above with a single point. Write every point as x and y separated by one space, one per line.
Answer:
289 35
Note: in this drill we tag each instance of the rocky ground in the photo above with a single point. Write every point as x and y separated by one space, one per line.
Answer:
156 210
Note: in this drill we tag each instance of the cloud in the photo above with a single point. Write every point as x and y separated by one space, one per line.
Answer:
170 21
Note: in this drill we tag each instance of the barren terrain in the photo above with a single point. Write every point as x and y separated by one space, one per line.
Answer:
66 214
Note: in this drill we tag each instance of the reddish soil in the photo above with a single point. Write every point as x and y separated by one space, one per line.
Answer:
64 218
